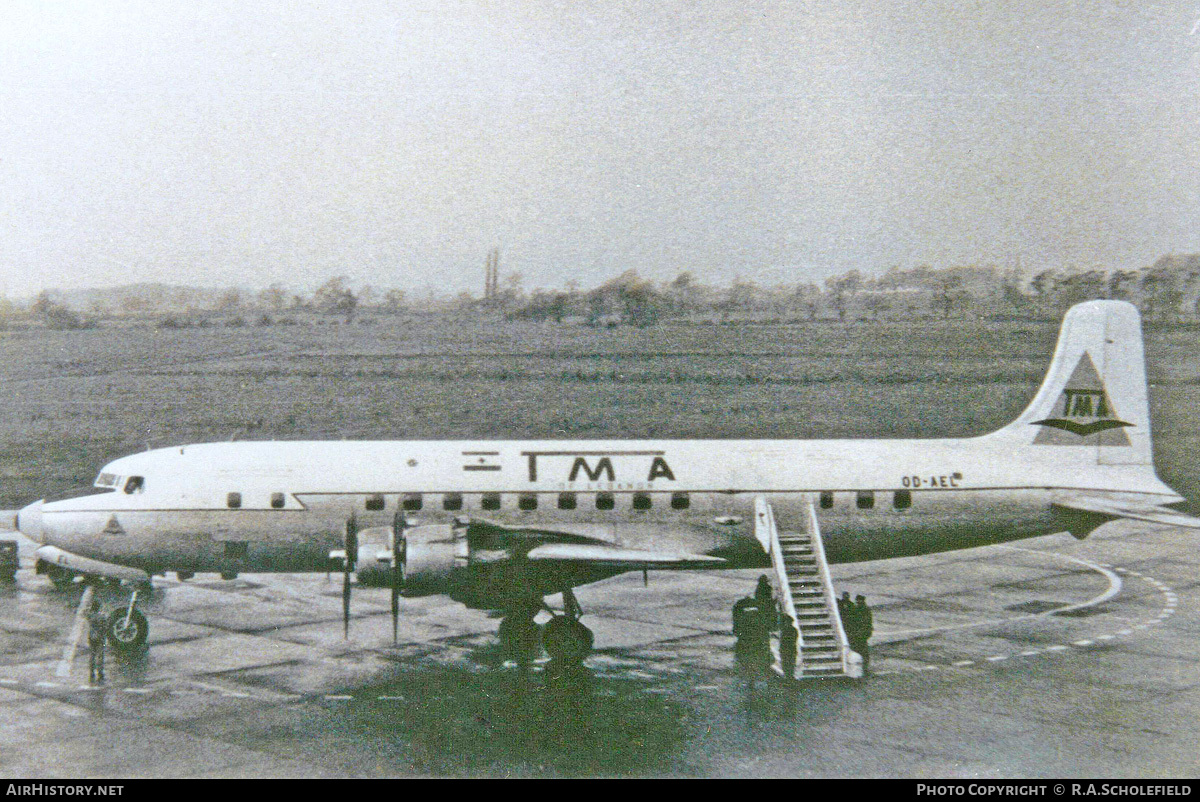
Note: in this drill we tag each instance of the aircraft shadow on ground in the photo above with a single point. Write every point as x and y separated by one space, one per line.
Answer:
451 720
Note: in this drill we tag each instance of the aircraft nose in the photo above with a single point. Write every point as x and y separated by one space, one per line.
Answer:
29 521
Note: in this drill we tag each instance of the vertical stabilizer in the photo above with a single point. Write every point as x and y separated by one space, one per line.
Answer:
1093 400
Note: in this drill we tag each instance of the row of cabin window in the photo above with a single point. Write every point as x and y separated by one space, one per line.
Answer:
864 500
489 501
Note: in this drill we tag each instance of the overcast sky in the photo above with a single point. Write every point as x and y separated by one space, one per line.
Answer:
244 143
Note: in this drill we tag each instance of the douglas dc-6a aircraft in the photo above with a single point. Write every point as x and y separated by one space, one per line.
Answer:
502 524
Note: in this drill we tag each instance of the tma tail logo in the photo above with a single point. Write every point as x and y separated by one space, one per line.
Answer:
1084 411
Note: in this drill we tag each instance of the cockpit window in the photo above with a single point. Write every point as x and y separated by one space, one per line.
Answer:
110 480
135 484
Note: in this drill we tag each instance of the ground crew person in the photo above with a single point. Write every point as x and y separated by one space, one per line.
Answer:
753 620
97 637
749 607
864 628
844 606
789 636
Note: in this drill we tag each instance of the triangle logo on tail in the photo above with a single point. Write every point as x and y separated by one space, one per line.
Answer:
1084 414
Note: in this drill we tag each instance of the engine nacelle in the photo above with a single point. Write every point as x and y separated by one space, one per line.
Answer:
430 557
437 559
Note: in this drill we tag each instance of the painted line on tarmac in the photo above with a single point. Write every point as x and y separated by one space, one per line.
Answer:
1114 587
1170 600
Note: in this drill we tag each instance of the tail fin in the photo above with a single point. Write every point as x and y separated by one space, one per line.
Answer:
1094 395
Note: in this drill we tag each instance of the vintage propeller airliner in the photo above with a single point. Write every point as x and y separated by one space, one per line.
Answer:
503 524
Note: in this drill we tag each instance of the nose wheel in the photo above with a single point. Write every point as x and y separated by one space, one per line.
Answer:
128 629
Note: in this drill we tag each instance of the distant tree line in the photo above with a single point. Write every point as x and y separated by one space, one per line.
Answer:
1167 291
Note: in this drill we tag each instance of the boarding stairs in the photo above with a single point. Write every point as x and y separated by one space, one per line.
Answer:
806 596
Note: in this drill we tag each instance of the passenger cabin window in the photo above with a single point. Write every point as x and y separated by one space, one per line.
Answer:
452 501
277 501
641 501
233 500
527 501
827 500
374 502
865 499
680 501
490 501
412 501
604 501
566 501
135 484
902 499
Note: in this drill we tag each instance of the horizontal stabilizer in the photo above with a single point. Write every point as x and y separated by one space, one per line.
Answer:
1151 513
620 557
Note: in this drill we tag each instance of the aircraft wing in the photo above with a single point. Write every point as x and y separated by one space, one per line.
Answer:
1120 508
616 557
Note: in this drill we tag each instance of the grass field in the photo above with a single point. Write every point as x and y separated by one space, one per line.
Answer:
74 400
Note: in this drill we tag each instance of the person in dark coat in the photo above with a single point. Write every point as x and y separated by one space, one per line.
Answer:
97 640
844 604
753 620
864 628
789 636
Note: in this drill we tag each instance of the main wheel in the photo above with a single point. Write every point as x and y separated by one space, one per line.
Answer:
128 637
567 640
520 638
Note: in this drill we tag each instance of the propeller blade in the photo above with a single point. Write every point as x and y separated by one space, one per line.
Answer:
398 525
346 604
347 567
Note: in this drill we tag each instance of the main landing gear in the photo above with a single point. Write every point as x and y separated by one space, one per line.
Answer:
566 640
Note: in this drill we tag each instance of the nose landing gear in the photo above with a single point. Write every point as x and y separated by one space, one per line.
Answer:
128 629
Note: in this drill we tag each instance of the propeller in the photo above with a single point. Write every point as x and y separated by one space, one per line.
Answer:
347 568
399 549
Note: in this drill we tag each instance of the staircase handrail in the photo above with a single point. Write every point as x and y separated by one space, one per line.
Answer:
849 668
768 534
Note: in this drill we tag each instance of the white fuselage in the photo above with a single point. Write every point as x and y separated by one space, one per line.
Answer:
283 506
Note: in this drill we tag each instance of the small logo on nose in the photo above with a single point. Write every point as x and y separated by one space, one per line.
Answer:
113 527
